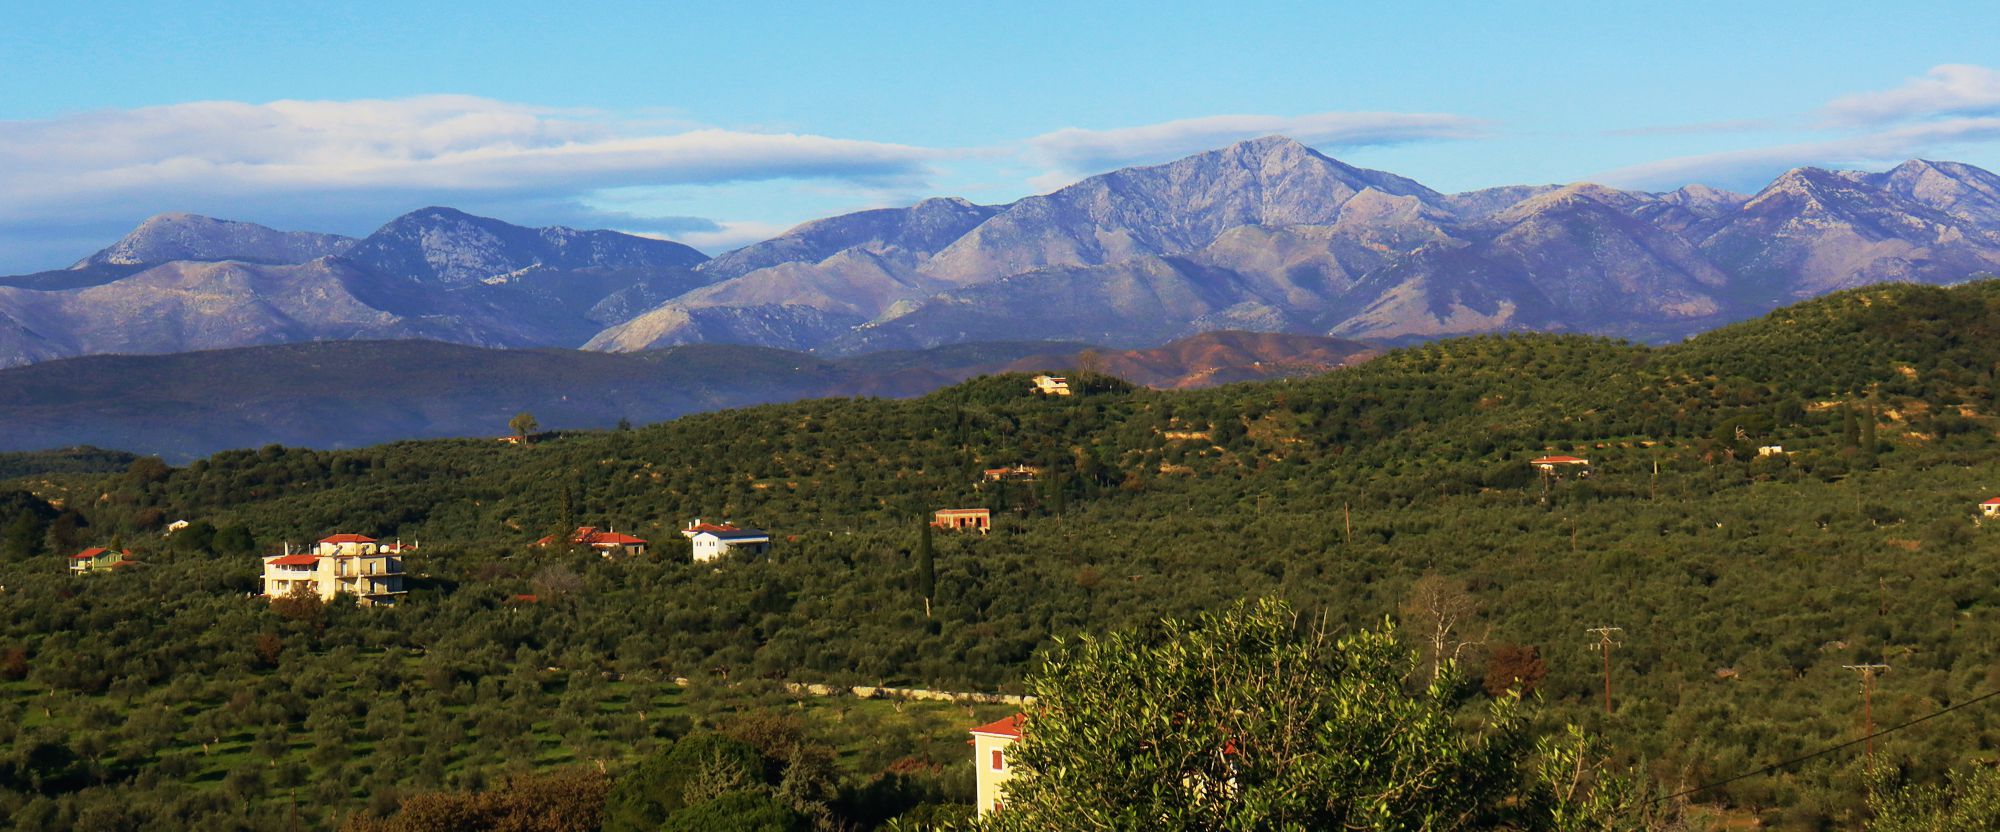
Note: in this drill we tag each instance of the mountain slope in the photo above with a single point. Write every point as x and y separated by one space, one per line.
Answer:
353 393
921 229
453 249
169 237
187 305
434 273
1350 491
1812 231
1269 234
1266 235
1162 210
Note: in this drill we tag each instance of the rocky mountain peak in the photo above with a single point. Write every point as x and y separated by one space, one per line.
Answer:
1577 196
1705 199
167 237
454 248
1959 190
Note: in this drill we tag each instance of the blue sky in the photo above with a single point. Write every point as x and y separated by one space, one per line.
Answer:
718 124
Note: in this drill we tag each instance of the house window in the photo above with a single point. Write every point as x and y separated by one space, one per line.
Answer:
996 762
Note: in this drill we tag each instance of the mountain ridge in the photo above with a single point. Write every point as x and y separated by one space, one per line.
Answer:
352 393
1266 234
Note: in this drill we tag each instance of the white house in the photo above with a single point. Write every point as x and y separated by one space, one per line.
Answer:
1990 507
713 540
989 759
350 563
1051 385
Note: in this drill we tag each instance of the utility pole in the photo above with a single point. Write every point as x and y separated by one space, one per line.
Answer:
1604 641
1347 516
1867 672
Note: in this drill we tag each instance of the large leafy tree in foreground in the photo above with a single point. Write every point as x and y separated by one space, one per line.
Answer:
1252 720
1969 800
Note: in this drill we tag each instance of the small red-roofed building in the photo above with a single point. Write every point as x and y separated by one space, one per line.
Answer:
989 758
1990 507
1550 464
713 540
605 543
963 519
98 559
349 564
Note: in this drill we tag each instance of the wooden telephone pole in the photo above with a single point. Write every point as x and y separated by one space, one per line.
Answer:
1867 672
1604 641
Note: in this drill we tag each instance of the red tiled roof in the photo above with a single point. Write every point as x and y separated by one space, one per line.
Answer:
293 560
1993 502
1009 727
590 536
348 538
944 511
1559 460
89 553
711 527
526 599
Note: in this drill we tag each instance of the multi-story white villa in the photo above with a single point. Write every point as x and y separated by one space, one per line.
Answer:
989 760
344 563
713 540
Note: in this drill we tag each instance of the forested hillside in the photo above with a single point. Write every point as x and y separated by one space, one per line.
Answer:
1743 583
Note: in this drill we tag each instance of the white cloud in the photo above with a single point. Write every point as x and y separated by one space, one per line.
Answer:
423 149
1951 108
1750 168
1069 153
727 235
1947 89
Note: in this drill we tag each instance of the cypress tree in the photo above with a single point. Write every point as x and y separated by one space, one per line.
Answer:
926 567
1850 430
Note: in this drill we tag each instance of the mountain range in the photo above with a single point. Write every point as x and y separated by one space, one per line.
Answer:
1265 235
353 393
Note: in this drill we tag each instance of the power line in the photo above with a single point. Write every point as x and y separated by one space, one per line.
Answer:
1830 749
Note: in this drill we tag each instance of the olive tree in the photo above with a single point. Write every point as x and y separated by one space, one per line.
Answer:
1250 720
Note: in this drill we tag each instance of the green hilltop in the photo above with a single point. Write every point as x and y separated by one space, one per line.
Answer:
1743 582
